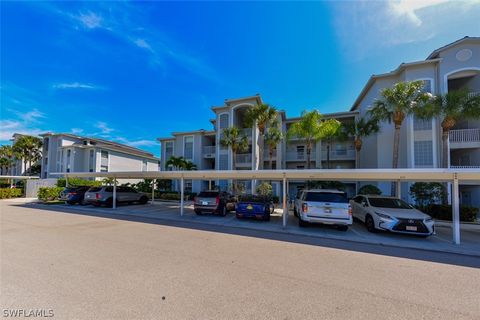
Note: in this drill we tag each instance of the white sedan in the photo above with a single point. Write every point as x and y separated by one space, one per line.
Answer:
391 214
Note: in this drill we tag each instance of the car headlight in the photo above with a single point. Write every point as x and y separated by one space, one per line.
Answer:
383 215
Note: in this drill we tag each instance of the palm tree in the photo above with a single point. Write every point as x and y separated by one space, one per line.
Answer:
189 165
29 150
395 104
232 138
272 138
176 162
263 116
308 128
451 107
6 158
329 129
360 129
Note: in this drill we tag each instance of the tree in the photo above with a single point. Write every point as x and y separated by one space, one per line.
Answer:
369 189
176 163
272 138
28 148
236 142
263 116
451 107
265 189
395 104
426 193
6 159
189 165
329 130
360 129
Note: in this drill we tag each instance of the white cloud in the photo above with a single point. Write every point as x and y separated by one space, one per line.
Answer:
75 85
77 130
141 143
409 8
90 20
105 129
141 43
10 126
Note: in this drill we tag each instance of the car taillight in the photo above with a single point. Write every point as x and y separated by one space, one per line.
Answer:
72 193
305 207
217 200
349 210
97 195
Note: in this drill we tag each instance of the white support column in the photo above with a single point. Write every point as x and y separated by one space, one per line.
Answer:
66 181
181 196
153 191
209 184
398 189
455 211
284 203
114 201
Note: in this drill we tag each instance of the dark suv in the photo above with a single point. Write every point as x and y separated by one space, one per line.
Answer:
73 195
214 202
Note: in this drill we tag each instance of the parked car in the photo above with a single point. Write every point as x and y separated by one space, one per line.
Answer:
104 196
323 206
391 214
73 195
213 202
253 206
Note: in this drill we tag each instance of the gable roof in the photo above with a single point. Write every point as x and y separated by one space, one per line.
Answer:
435 53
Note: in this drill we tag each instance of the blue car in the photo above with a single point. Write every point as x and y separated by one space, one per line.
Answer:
251 206
74 195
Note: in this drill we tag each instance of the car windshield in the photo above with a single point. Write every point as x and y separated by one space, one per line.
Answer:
253 198
94 189
326 197
208 194
391 203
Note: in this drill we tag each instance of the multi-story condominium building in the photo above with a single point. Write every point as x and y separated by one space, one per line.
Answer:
63 152
452 67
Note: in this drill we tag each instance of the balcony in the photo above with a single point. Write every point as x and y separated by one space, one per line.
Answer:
339 154
464 138
298 156
464 167
244 160
209 152
266 155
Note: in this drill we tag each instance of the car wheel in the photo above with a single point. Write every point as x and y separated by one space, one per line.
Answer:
143 200
266 217
342 228
301 223
370 224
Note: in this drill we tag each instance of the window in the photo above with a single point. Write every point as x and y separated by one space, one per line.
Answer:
168 149
223 162
300 152
45 143
223 121
188 185
427 86
340 149
69 156
91 161
423 151
188 147
420 124
104 161
144 165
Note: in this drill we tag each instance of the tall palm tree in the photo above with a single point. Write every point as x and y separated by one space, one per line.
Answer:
263 116
308 128
272 138
329 129
360 129
6 157
189 165
233 139
28 149
395 104
451 107
176 162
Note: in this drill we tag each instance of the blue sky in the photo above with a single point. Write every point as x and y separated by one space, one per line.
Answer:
135 71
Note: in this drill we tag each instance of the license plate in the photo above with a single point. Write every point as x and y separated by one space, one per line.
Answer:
411 228
328 210
204 203
249 207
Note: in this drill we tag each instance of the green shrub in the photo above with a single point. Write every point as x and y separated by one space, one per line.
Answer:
78 182
369 189
427 193
170 196
444 212
264 189
7 193
49 193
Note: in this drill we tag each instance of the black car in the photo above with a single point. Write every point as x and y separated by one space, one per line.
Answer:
74 195
213 202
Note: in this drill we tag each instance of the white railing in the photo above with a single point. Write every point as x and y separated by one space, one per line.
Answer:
244 158
339 154
464 167
465 135
474 94
209 150
298 156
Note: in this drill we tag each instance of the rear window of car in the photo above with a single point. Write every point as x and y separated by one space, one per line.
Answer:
326 197
94 189
253 198
390 203
207 194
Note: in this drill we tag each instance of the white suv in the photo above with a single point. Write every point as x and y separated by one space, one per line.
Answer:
323 206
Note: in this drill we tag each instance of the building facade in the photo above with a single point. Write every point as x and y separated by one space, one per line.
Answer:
63 152
453 67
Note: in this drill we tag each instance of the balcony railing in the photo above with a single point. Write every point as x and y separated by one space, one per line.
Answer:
464 167
474 94
266 154
209 151
465 135
243 158
339 154
298 156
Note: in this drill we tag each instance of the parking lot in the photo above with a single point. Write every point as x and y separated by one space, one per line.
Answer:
440 241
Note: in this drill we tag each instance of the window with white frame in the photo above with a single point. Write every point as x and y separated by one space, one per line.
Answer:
91 161
423 153
188 185
104 161
188 147
168 149
223 123
69 157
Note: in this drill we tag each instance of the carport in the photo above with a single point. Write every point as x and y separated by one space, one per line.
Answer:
351 175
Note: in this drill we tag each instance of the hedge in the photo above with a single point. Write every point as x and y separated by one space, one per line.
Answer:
7 193
78 182
444 212
49 193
